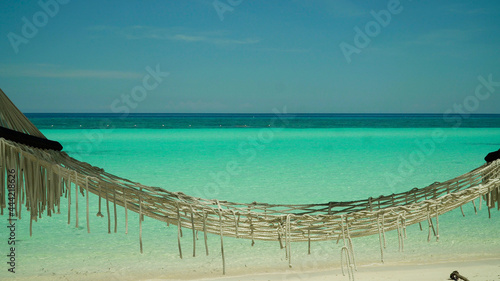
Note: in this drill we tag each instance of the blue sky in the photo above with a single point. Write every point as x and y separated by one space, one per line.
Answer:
250 56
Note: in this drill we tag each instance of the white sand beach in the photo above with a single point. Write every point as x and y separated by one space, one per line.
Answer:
478 270
487 270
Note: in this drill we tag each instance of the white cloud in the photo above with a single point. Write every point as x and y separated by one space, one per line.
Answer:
173 34
188 38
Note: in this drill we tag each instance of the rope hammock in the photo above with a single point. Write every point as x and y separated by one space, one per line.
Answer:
45 174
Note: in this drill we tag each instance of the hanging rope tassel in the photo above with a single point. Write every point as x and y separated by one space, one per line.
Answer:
401 235
205 231
60 188
107 210
194 234
76 198
488 198
309 240
280 234
99 214
221 233
346 253
437 223
114 210
235 224
87 199
68 189
126 210
430 223
350 245
288 240
179 231
383 230
140 220
380 239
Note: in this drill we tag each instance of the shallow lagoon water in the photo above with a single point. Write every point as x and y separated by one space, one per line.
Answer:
275 165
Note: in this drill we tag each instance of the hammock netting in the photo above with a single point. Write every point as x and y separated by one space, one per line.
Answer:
45 176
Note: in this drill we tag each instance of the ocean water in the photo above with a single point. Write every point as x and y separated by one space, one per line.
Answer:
276 159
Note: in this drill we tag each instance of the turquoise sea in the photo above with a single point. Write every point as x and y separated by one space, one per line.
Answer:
301 158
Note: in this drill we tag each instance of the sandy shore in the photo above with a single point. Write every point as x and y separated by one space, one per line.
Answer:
482 270
478 270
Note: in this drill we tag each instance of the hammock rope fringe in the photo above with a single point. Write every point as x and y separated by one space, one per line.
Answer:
44 176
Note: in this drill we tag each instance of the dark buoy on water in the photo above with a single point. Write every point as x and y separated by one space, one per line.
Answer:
492 156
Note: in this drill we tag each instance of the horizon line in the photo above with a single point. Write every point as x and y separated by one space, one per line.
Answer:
256 113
